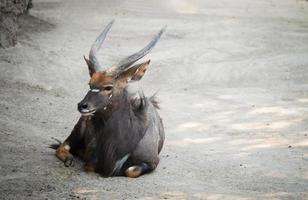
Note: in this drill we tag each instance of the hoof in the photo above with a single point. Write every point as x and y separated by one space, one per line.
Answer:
69 161
133 171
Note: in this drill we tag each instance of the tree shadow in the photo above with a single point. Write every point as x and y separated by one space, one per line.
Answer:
29 25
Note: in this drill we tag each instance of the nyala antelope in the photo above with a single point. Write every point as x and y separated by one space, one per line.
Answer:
117 133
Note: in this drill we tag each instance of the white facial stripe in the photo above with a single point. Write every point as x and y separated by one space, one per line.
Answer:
95 90
108 99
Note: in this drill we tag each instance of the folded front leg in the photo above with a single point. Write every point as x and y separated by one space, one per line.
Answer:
73 144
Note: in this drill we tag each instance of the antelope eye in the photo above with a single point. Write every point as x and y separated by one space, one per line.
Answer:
108 88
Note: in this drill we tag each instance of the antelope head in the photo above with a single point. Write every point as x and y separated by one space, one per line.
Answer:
104 83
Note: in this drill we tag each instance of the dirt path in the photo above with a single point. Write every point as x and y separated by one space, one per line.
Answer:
233 84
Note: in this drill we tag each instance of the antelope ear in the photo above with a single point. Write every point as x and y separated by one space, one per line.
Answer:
90 66
134 73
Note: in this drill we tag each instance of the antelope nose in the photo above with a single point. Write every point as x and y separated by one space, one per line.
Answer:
82 106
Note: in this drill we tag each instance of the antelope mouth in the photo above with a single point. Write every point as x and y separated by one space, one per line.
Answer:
86 112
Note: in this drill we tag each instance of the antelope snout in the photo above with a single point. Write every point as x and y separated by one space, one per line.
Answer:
84 108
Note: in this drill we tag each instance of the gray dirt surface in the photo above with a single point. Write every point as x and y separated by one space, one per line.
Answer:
232 78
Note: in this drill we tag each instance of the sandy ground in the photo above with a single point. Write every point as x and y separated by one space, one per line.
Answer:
232 78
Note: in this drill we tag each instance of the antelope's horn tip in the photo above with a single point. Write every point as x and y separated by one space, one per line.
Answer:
163 29
85 58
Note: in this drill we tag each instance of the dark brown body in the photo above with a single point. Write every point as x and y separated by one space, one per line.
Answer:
118 133
103 141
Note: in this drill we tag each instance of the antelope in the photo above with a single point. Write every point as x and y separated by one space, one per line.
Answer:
118 134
